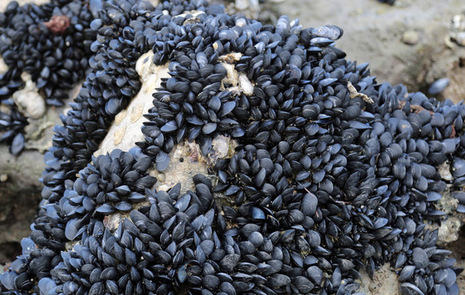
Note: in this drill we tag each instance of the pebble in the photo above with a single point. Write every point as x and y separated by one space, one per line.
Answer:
29 101
410 37
458 38
3 177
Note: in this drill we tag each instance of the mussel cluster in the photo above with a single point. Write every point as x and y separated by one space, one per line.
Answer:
333 172
51 42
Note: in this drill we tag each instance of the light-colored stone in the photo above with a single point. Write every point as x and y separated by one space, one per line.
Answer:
125 139
3 177
242 4
249 8
186 159
449 227
240 83
458 38
3 66
444 171
449 230
458 22
245 85
29 101
410 37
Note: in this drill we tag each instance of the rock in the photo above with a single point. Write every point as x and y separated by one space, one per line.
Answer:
28 99
186 159
135 112
242 4
458 37
449 228
457 29
410 37
126 129
249 8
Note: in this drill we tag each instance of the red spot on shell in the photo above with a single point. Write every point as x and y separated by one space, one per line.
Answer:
58 24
